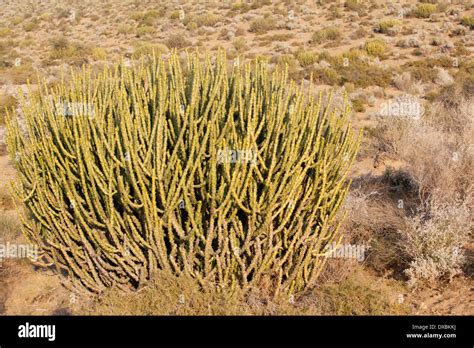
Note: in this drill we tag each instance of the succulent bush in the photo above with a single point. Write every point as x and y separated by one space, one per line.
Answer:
231 177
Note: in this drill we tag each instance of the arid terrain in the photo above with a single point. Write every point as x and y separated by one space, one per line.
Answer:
406 68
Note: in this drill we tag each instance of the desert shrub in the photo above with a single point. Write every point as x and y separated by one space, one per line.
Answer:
404 82
45 16
358 294
190 23
289 62
262 25
75 53
6 199
458 31
146 49
136 16
232 179
468 21
125 29
175 15
99 53
434 242
260 3
207 20
268 39
329 76
386 24
376 47
10 226
6 102
4 32
59 43
353 5
240 44
30 26
375 216
352 67
240 6
359 34
306 58
177 41
424 10
147 18
460 49
435 150
153 14
335 12
144 31
327 34
18 74
358 105
16 20
423 69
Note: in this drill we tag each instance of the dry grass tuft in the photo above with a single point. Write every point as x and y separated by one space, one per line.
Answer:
357 294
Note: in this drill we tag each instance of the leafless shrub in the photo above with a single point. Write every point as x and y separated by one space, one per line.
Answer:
434 242
436 149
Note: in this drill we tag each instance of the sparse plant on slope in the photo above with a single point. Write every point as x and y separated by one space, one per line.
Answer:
468 21
424 10
434 242
376 47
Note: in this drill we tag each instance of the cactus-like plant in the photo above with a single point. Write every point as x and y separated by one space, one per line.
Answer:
231 176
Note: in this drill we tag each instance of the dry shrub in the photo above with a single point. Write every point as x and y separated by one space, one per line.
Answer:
10 227
435 149
406 83
175 222
375 217
360 293
434 240
177 41
262 25
437 154
6 199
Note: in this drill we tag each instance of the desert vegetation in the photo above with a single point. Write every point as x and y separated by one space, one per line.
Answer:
237 157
